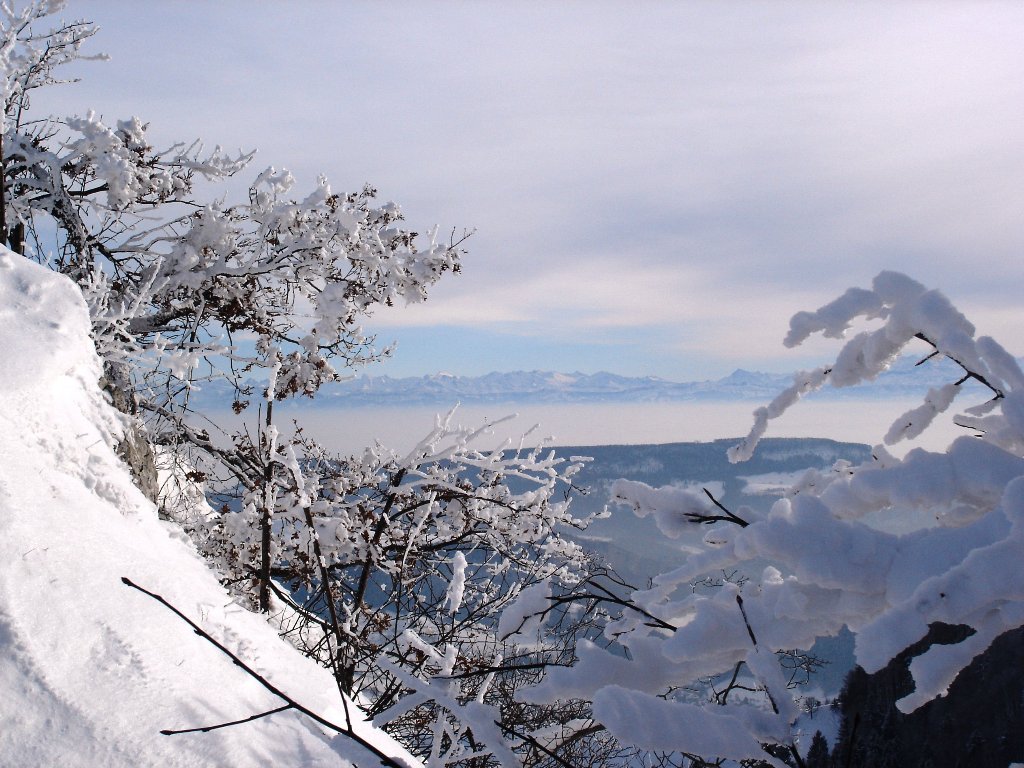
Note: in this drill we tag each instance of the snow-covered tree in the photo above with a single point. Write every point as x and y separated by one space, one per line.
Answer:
171 280
174 278
888 549
382 563
393 570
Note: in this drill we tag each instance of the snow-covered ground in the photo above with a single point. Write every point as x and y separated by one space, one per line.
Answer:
91 670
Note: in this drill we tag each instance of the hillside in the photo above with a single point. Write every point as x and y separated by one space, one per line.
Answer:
91 670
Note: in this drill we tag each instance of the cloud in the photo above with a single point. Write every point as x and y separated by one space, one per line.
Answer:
679 177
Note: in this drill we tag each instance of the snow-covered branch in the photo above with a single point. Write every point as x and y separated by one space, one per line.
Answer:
825 556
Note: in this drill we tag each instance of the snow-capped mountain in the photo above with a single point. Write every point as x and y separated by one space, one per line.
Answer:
444 389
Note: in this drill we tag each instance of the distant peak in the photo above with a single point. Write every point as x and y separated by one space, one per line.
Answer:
741 374
561 378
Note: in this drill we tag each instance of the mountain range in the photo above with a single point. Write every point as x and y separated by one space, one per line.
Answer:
904 379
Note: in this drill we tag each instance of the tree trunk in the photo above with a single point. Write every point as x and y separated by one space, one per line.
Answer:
134 448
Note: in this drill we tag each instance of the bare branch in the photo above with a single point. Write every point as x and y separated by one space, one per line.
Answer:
292 704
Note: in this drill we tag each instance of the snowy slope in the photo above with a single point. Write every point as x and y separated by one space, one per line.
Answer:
90 670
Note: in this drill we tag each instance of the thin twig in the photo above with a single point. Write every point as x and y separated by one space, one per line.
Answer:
969 374
728 517
534 743
208 728
292 704
743 611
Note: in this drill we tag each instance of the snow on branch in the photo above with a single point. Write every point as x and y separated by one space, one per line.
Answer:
825 556
908 312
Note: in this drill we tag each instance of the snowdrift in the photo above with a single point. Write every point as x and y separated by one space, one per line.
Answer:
90 670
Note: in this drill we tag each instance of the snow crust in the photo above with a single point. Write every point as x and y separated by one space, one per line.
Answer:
90 670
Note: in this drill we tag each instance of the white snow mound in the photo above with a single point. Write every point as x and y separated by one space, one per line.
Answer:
91 670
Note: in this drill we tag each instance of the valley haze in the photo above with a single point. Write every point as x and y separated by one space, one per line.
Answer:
597 409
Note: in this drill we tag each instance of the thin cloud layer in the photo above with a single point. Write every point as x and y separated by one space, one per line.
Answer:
662 182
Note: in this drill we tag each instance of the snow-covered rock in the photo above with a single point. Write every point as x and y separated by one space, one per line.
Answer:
91 670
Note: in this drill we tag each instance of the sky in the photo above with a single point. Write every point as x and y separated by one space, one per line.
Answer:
654 188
